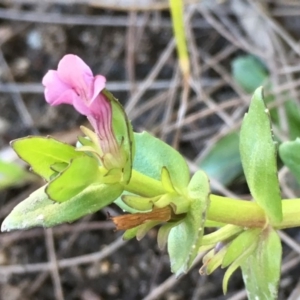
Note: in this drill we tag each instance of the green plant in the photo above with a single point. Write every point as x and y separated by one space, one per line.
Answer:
151 181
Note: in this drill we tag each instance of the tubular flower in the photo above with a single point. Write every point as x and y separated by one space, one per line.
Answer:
74 83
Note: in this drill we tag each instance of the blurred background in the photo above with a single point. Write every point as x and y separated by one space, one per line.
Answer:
234 47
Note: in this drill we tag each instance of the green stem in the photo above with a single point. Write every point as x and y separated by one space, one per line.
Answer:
143 185
236 212
291 214
222 209
177 12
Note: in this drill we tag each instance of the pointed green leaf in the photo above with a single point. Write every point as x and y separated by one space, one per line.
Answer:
290 154
82 172
163 233
138 203
144 228
222 234
239 245
179 204
152 155
261 271
237 263
258 154
41 153
216 260
130 233
185 239
124 206
39 210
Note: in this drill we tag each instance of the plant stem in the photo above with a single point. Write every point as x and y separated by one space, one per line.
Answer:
177 12
222 209
291 214
237 212
144 185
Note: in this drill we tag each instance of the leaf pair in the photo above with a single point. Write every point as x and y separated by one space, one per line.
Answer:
161 162
261 269
74 181
68 171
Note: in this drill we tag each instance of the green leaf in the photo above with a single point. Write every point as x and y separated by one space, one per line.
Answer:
144 228
153 154
39 210
249 72
138 203
223 162
41 153
237 263
261 271
82 172
239 245
163 233
130 233
258 154
185 239
12 174
215 260
123 205
224 233
290 154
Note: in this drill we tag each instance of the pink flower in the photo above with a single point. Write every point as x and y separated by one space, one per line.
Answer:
74 83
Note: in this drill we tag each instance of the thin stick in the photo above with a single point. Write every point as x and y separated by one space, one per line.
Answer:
53 262
64 263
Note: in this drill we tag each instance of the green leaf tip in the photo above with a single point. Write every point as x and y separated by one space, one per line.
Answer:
258 155
39 210
42 152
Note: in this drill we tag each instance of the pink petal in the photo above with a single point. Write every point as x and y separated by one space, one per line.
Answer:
99 85
81 107
76 73
55 88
